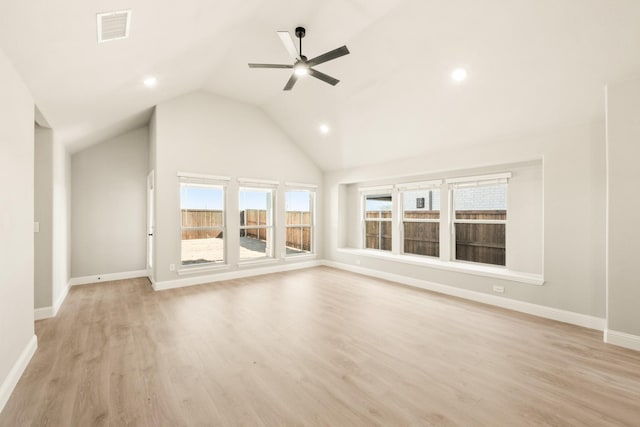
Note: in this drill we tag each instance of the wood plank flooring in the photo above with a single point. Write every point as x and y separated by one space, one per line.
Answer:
314 347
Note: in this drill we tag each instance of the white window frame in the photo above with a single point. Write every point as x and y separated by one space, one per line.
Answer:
209 181
312 219
402 189
271 187
475 181
374 191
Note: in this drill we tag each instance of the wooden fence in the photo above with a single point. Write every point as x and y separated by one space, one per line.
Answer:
197 224
483 243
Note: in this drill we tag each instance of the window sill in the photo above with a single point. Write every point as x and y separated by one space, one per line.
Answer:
289 258
259 261
457 266
202 269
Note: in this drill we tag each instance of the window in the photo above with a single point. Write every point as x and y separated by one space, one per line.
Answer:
256 223
377 221
420 219
202 222
299 212
480 218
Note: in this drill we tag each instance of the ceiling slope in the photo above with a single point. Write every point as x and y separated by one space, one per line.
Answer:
532 64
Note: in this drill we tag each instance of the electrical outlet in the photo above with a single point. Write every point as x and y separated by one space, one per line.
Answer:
172 267
498 289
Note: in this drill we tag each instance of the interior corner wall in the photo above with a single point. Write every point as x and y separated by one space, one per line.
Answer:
16 219
108 201
43 215
61 195
573 215
623 177
206 134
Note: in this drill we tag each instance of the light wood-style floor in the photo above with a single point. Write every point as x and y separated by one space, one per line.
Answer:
314 347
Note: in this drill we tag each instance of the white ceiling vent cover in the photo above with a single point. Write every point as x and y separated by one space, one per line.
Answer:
113 25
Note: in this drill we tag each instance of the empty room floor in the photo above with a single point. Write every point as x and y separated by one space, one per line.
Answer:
314 347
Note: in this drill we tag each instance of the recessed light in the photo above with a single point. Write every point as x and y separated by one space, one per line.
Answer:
324 128
459 75
150 82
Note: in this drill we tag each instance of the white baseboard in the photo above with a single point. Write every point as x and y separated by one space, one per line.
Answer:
63 295
235 274
9 383
51 311
622 339
84 280
43 313
579 319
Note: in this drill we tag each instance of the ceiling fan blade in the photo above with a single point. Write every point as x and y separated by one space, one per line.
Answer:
270 66
291 82
322 76
335 53
288 43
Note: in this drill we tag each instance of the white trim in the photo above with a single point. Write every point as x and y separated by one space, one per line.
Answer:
236 274
186 270
10 382
257 181
573 318
622 339
435 184
43 313
51 311
63 295
479 178
84 280
299 257
293 185
376 190
249 262
203 176
458 266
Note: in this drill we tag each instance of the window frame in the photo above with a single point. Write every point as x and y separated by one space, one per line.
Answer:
376 191
414 186
209 181
474 182
312 221
271 188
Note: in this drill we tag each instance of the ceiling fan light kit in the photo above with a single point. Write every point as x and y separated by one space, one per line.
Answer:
303 66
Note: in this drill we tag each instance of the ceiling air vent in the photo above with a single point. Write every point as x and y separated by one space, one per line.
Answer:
113 25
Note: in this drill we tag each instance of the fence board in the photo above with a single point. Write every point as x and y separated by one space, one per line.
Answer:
197 223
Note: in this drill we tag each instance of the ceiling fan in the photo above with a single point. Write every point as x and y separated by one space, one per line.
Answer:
302 65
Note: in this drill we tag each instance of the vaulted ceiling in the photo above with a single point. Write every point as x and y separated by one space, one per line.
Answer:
532 64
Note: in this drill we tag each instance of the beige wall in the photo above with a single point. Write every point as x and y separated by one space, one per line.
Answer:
43 214
16 218
573 186
205 134
623 177
108 203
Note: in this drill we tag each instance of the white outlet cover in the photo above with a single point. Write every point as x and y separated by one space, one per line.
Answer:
172 267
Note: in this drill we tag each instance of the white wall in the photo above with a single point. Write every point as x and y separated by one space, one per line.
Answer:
573 162
61 263
16 221
623 155
108 231
43 214
202 133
